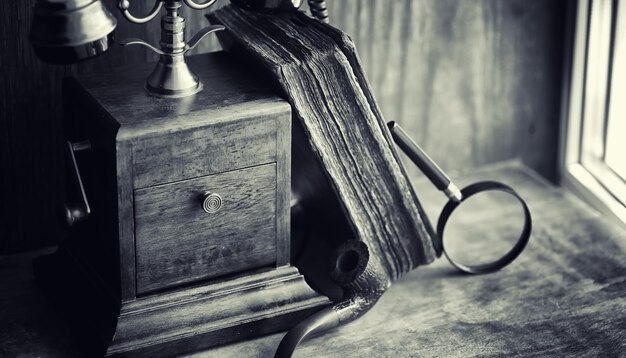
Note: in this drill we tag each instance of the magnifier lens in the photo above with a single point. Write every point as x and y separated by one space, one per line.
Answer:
483 228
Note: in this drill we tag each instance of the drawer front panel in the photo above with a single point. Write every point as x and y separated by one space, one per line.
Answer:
202 151
178 242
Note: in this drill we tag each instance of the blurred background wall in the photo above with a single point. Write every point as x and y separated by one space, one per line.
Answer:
474 81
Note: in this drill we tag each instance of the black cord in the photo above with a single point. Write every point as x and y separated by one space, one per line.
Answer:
318 322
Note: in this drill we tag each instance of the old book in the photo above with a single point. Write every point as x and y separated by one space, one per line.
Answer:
344 160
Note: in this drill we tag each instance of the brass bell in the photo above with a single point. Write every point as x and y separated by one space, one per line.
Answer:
68 31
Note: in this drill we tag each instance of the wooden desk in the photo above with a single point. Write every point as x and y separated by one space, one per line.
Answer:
564 296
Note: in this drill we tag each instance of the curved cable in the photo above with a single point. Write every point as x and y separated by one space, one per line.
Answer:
363 280
319 322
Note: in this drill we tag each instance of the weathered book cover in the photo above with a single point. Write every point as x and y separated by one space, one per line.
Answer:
338 123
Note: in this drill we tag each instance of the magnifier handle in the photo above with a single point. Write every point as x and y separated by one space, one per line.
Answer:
424 162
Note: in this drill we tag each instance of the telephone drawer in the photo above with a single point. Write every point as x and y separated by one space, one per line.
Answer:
211 149
205 227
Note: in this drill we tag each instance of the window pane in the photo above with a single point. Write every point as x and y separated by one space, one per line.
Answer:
615 152
596 78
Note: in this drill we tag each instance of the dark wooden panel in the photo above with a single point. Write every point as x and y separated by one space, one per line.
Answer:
96 242
177 242
30 136
474 82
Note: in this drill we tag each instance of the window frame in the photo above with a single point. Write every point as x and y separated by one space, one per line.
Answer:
587 106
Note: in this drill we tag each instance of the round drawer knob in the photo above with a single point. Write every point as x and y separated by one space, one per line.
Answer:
211 202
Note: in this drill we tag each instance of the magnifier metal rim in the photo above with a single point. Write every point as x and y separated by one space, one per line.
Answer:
511 255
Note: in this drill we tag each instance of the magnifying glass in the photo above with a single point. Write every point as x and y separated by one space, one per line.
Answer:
490 218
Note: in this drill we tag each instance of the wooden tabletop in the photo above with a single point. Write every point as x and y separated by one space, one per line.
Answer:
564 296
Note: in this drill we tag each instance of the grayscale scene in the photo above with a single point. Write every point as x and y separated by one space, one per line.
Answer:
319 178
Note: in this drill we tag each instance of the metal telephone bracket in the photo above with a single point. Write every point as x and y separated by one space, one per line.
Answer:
76 206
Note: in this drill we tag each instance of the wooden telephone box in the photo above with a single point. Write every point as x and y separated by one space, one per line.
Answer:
186 243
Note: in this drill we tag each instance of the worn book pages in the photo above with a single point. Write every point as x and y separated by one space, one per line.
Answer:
340 137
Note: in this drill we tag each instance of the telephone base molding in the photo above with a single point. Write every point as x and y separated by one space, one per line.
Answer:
185 320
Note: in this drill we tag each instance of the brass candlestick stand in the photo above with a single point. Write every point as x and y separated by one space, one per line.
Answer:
171 76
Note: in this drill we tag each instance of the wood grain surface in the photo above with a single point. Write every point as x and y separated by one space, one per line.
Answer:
208 150
163 152
232 124
177 321
257 303
564 296
473 82
177 242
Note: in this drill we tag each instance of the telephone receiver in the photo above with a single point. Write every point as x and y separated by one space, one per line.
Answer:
353 256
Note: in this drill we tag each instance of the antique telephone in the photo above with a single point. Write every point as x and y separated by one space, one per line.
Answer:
147 297
76 30
178 197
